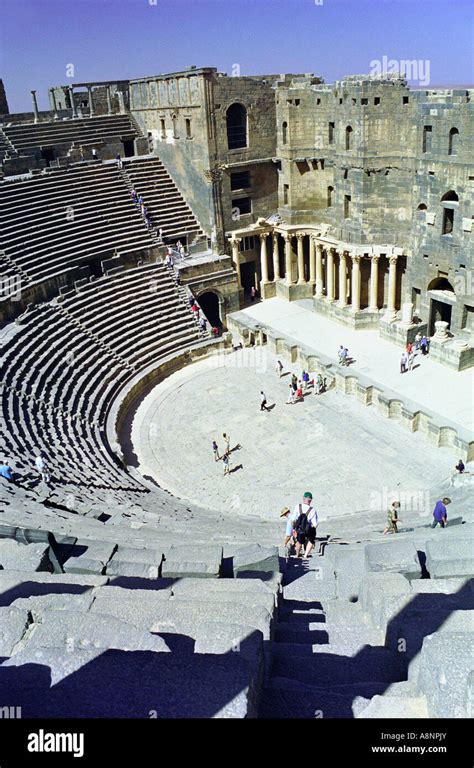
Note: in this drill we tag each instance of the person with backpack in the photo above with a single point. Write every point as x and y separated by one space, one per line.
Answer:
305 524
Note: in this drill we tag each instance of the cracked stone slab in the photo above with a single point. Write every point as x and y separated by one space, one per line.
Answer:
14 622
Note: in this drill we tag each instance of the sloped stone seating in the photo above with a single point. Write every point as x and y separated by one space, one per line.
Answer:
167 208
78 131
57 221
61 370
214 629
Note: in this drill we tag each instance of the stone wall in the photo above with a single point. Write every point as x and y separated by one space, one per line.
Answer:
3 100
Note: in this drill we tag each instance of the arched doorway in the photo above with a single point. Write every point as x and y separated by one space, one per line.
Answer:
442 297
210 305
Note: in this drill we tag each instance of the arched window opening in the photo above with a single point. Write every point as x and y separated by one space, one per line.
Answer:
284 131
453 141
349 137
236 126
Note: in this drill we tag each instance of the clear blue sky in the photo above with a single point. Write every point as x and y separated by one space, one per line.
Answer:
107 39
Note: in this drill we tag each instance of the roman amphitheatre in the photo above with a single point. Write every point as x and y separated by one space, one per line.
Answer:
165 242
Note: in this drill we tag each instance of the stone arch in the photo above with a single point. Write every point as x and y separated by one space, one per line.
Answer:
349 132
212 303
440 284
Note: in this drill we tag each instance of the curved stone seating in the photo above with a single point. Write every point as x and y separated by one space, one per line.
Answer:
78 131
59 373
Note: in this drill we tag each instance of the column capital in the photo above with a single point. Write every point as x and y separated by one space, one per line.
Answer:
374 257
393 259
263 236
356 257
300 235
287 237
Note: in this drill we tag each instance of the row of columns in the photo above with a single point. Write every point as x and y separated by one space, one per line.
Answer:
316 270
73 105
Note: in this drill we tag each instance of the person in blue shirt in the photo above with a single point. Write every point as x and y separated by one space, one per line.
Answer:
6 471
440 515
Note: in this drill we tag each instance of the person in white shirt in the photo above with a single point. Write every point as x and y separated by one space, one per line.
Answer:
305 529
42 467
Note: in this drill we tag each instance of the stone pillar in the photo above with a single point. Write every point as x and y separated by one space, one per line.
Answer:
263 258
374 282
299 238
276 257
91 101
235 241
109 101
55 106
73 105
342 280
407 315
391 313
319 270
441 328
330 274
288 279
312 259
355 304
35 106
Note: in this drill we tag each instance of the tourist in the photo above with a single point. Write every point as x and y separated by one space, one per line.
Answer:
305 525
392 518
227 442
160 234
263 402
279 368
411 360
440 514
225 461
294 382
253 293
340 355
305 379
215 448
42 467
6 472
134 196
119 162
95 154
460 467
409 348
289 531
345 356
319 386
299 392
417 341
424 345
403 362
291 395
203 324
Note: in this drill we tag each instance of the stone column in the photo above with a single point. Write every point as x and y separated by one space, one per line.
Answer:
235 241
355 304
319 270
276 257
391 313
73 105
374 282
299 238
35 106
109 101
55 106
263 258
91 101
312 259
288 279
330 274
342 280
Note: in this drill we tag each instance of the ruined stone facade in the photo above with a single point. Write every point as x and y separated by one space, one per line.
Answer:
376 202
106 98
217 137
